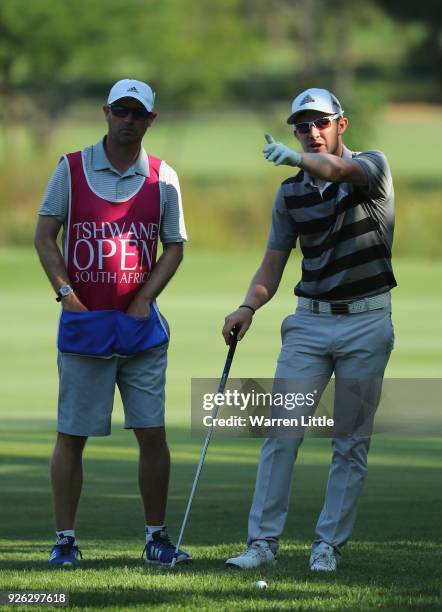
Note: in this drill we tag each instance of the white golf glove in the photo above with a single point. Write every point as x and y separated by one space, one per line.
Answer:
278 153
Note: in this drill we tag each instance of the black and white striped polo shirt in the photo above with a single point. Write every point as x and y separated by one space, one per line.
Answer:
345 233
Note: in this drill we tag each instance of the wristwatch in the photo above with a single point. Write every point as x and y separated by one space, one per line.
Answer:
63 292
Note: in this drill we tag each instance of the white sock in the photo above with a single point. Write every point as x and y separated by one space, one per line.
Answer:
66 533
150 529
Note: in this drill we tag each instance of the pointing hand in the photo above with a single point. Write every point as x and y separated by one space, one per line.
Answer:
280 154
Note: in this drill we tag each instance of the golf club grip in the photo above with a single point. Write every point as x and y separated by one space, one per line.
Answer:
230 354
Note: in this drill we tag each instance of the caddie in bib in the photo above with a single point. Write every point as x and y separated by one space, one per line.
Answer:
114 202
110 249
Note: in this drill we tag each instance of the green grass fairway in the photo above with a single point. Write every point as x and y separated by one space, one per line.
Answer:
395 557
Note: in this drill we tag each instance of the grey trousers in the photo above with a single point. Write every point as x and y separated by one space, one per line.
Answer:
314 346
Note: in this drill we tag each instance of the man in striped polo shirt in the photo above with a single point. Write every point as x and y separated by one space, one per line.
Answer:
114 202
340 207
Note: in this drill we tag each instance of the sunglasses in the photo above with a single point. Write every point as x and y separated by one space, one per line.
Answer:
119 110
320 124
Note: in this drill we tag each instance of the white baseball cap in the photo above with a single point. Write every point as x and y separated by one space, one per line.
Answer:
130 88
315 99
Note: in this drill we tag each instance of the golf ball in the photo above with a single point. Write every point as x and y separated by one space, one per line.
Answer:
261 584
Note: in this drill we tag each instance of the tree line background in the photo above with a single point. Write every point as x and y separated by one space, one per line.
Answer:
219 65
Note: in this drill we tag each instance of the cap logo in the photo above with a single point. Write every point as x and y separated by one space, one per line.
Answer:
307 99
133 89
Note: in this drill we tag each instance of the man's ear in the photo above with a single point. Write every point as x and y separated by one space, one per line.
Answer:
342 125
152 117
107 112
295 134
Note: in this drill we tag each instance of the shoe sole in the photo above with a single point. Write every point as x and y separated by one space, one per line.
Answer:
235 566
186 561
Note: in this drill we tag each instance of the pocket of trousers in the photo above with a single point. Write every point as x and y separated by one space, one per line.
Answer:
285 324
392 333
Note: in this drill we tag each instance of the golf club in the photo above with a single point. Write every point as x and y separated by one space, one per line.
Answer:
221 387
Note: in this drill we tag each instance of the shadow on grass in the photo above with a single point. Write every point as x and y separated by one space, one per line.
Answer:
217 598
390 583
399 503
360 559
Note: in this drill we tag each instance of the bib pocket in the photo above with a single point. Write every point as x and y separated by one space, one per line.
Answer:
105 333
135 335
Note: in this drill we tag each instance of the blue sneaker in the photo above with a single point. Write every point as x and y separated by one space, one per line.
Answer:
64 553
160 550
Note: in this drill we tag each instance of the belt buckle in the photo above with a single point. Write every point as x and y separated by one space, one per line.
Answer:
338 309
315 306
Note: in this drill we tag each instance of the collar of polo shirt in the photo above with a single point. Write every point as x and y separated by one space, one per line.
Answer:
100 161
